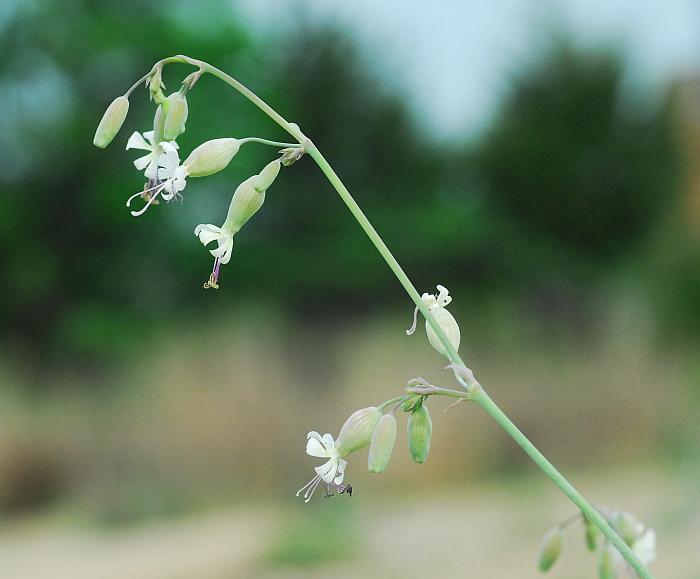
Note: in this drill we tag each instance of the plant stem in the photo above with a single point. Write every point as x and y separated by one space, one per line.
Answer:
267 142
478 395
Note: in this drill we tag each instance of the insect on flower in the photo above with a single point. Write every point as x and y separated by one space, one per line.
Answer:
341 489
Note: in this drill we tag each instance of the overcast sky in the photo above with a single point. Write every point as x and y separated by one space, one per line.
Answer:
455 56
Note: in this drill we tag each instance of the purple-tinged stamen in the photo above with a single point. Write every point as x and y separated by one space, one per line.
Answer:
214 277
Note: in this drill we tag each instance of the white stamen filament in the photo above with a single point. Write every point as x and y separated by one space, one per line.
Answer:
158 189
310 488
415 322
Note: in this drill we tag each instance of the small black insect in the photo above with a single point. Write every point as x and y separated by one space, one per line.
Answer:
341 489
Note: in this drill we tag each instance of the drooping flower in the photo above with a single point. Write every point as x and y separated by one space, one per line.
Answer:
333 470
246 201
169 180
641 539
437 307
148 162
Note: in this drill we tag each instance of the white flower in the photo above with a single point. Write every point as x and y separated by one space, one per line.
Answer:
645 546
170 172
169 179
436 306
223 237
333 470
148 162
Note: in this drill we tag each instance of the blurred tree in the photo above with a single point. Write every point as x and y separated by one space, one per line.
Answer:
575 163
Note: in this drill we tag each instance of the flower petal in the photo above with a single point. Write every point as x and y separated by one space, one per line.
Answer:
208 233
142 162
328 470
341 472
315 448
328 441
136 141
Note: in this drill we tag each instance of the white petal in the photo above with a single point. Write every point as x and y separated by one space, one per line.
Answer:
645 547
315 448
169 146
443 298
142 162
341 472
208 233
328 441
148 135
328 470
136 141
313 433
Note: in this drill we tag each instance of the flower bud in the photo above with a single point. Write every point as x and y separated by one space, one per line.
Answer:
245 203
267 176
176 116
382 444
591 535
420 430
552 546
448 324
606 565
357 431
158 124
410 403
211 157
111 122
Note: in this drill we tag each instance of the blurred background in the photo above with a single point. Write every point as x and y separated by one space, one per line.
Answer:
540 159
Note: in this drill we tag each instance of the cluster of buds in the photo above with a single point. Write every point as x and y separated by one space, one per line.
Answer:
375 427
611 565
166 176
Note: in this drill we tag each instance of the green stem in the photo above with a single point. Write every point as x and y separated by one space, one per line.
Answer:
478 395
267 142
483 399
391 401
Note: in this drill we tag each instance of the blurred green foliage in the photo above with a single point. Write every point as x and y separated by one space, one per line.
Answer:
567 184
314 537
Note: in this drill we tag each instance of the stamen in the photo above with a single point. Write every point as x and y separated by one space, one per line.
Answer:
141 193
308 485
415 322
312 490
214 277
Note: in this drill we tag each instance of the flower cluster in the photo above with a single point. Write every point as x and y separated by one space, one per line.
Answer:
611 564
166 176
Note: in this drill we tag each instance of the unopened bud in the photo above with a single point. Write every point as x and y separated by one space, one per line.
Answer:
357 431
382 444
268 175
449 326
552 546
420 430
606 565
591 534
410 403
176 116
245 203
211 157
159 123
111 122
155 83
